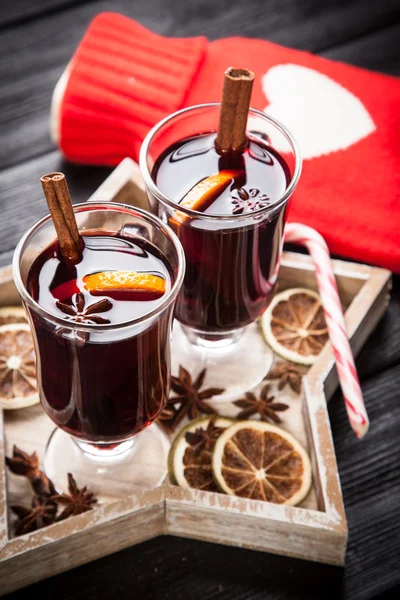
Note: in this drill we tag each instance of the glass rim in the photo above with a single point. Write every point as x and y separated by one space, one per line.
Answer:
152 187
93 328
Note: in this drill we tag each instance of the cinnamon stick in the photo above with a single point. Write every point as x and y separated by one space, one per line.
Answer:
231 135
59 202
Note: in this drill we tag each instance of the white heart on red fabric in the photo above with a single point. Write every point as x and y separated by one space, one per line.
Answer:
322 115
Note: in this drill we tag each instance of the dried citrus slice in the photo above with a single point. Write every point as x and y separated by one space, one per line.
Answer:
294 325
12 314
18 386
189 461
253 459
124 281
206 191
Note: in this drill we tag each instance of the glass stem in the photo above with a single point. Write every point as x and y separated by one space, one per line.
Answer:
105 451
212 340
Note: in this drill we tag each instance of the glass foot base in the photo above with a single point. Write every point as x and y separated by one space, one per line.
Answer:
111 474
237 363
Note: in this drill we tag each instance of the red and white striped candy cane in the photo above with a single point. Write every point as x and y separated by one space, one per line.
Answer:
349 382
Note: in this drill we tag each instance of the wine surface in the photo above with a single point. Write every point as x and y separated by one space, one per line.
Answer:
231 268
51 281
263 175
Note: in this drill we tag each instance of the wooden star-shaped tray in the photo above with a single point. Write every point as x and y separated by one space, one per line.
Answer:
316 530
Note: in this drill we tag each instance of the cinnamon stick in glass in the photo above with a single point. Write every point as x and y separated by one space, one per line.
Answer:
60 205
231 136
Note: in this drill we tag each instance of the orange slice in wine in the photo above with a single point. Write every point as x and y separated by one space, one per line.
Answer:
205 192
120 282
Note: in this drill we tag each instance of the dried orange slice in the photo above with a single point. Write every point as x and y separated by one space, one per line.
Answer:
294 325
189 460
256 460
205 192
18 385
124 281
12 314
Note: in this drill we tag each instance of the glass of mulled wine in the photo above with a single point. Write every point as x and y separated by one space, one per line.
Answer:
102 330
228 210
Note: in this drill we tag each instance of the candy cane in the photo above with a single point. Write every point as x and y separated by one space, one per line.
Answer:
348 378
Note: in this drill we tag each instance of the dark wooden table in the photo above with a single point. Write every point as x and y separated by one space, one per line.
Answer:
37 38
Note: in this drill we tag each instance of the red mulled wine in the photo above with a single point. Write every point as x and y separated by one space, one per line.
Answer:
231 266
100 383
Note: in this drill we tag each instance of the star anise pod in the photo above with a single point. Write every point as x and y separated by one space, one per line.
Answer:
27 465
265 406
287 373
42 513
77 312
76 502
22 463
167 419
204 439
190 397
251 200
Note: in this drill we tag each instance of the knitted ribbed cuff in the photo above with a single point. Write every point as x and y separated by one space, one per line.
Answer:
121 81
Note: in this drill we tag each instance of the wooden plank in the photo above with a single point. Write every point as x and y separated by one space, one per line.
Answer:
217 21
25 10
172 568
24 104
249 532
382 350
378 51
371 487
64 554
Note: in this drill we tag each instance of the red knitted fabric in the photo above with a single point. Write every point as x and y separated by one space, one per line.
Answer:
123 79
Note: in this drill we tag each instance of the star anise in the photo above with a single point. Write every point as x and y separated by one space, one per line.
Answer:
77 312
287 373
167 419
76 502
27 465
265 406
204 439
42 513
190 398
251 200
